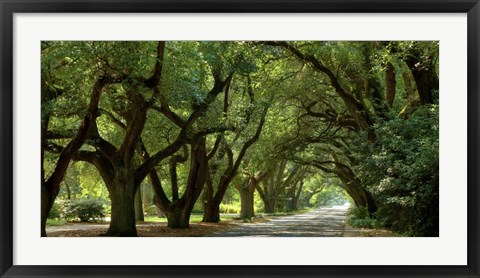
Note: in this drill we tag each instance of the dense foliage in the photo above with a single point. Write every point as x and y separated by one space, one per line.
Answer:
401 171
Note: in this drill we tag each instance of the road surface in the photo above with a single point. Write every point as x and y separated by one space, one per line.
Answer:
322 222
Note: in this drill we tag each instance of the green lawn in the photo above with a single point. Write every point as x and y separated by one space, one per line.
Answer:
284 213
193 218
56 222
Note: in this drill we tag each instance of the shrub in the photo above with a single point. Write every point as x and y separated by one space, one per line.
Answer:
230 208
360 217
150 210
359 213
55 212
364 223
84 210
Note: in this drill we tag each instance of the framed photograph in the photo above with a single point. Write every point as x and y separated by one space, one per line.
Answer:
239 138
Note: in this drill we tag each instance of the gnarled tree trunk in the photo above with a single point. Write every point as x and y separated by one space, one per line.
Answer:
177 216
425 78
122 195
390 84
47 200
212 212
360 195
351 184
247 191
269 205
139 216
247 204
178 212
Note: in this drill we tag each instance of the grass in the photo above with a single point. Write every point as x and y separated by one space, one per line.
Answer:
281 213
194 218
197 217
56 222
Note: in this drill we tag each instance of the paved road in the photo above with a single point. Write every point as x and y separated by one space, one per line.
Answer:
323 222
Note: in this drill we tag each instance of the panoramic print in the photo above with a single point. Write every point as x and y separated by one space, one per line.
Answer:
239 139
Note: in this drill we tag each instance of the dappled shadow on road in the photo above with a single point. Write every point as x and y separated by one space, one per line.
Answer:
323 222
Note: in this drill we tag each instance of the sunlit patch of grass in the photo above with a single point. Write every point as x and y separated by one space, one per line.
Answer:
56 222
283 213
194 218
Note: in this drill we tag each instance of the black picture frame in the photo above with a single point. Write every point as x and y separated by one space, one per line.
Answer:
9 7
